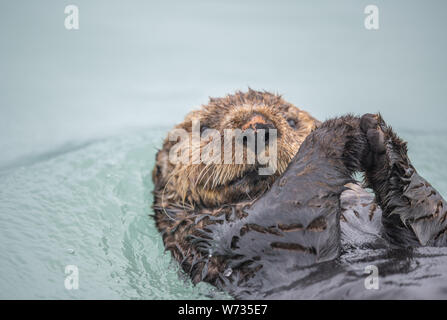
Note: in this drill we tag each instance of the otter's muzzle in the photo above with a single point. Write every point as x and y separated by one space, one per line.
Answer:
258 122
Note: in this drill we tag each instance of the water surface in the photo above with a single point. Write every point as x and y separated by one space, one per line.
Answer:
82 113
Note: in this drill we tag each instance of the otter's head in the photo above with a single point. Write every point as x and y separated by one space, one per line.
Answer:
206 175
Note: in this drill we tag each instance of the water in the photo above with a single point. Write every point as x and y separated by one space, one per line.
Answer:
82 113
89 206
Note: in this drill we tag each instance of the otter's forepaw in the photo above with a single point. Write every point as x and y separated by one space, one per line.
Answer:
371 126
413 211
374 129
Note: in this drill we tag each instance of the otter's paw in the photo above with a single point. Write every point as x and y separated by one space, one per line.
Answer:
413 211
371 126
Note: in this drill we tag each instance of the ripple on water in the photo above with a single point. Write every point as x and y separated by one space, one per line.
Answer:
90 208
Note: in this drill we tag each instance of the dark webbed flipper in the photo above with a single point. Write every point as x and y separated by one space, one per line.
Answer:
414 213
296 223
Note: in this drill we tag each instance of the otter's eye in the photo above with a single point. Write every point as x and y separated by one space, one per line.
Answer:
203 128
291 123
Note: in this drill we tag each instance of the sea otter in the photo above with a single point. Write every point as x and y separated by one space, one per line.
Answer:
228 225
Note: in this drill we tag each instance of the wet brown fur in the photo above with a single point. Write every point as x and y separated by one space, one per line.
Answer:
183 192
191 201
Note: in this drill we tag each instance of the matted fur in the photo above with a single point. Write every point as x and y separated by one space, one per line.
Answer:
228 226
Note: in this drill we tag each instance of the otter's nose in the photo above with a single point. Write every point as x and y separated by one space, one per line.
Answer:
258 122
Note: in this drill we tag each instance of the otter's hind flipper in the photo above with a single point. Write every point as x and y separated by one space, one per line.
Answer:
414 213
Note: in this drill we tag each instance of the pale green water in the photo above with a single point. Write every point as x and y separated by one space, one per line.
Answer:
87 207
81 113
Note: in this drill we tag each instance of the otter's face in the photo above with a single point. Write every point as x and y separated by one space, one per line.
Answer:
226 179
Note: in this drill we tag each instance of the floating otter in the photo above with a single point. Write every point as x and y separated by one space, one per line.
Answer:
244 228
